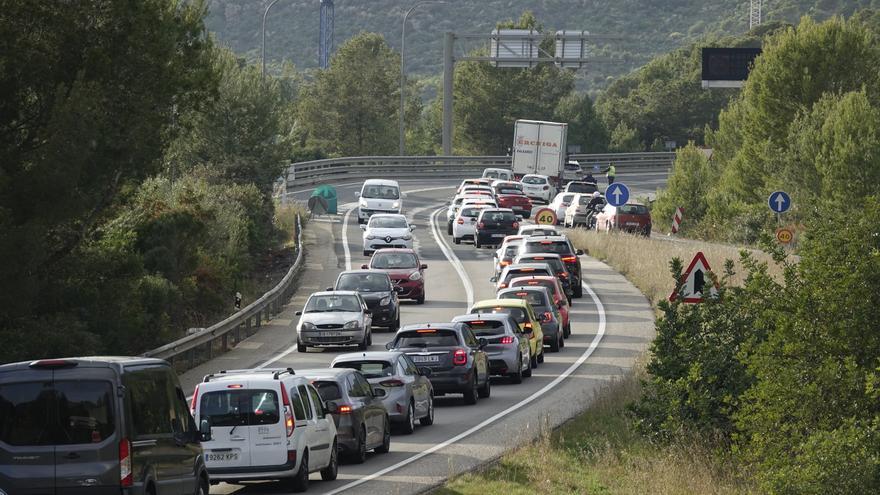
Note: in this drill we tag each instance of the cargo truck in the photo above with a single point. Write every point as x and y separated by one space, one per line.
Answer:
539 148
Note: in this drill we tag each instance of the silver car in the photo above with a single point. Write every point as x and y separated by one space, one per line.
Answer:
334 318
408 392
508 348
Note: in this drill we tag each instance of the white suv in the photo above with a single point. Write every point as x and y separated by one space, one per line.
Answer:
265 424
387 231
378 196
538 187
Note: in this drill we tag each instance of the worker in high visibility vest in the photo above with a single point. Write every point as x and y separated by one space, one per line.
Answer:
610 172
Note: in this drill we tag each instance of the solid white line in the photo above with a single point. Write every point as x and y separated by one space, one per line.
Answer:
345 239
453 259
519 405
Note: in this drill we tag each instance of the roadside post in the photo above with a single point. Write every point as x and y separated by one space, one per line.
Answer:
676 219
694 282
780 202
545 216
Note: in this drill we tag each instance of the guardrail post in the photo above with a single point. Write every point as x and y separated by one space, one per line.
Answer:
225 342
259 319
210 349
192 358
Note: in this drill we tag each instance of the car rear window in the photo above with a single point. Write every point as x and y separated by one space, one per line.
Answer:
483 328
59 413
470 211
534 180
328 390
240 407
582 187
518 314
519 272
370 369
494 217
633 210
558 247
555 263
433 337
510 191
533 297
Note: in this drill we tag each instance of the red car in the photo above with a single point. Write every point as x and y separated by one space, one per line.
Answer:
510 196
559 297
631 217
405 270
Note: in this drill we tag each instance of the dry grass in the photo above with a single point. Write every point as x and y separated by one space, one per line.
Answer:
600 452
645 262
285 220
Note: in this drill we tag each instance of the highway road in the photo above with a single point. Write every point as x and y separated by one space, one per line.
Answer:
612 326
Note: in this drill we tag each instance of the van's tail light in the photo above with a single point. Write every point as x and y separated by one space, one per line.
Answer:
344 409
507 339
459 357
125 476
569 259
460 221
391 383
195 400
516 225
288 413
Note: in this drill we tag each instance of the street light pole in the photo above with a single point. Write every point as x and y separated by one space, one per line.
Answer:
263 44
401 126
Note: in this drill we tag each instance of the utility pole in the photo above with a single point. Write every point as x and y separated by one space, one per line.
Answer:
755 13
401 124
263 44
448 69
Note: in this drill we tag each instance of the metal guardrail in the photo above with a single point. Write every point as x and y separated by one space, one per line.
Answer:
192 350
356 168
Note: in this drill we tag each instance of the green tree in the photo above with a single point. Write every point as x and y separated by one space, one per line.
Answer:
624 139
352 108
687 187
585 128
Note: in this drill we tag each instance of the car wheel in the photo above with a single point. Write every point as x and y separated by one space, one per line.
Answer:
541 356
396 325
554 346
300 481
533 363
329 473
456 240
428 419
567 331
561 339
369 339
386 438
359 456
421 299
517 376
470 393
301 347
409 423
528 372
449 228
363 345
366 253
486 390
203 487
579 290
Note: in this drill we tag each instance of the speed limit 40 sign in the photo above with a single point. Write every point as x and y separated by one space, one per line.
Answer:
545 216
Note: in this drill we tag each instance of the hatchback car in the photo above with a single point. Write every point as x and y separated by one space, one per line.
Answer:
559 204
405 270
542 303
523 314
409 395
265 424
521 270
497 174
562 246
454 355
530 230
465 225
509 351
538 187
458 201
334 318
362 423
505 253
378 292
631 217
581 187
98 425
555 262
560 299
493 225
511 195
387 231
378 196
482 181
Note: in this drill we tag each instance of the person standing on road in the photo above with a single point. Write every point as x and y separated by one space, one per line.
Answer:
610 172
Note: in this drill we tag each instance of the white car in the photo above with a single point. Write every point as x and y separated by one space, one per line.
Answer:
498 173
538 187
572 171
267 424
458 201
387 231
559 204
478 190
378 196
527 230
464 226
507 251
473 182
576 213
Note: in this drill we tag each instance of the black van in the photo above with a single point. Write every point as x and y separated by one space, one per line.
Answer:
97 425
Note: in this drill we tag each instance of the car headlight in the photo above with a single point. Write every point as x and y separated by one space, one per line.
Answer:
395 204
415 276
307 326
363 203
385 301
352 325
371 237
407 237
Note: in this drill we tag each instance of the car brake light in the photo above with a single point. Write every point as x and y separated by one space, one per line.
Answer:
481 225
527 325
507 339
237 385
504 263
459 357
288 415
548 316
391 383
516 225
522 294
426 330
125 476
569 259
546 243
460 221
344 409
502 285
563 275
195 400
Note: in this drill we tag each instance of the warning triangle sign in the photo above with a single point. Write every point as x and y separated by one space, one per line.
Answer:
696 284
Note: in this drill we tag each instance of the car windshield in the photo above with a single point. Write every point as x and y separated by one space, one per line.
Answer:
387 222
535 298
633 210
498 217
582 187
381 192
558 247
364 282
518 314
393 261
429 337
330 303
370 369
534 180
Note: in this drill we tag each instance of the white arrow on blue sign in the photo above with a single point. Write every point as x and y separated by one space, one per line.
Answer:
617 194
779 201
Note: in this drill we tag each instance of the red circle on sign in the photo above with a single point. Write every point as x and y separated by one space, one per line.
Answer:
545 216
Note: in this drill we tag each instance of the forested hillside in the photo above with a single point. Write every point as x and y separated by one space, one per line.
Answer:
647 27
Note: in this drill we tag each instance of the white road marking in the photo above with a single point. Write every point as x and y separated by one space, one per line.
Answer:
345 239
519 405
453 259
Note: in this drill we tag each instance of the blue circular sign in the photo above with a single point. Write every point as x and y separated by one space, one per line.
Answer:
779 201
617 194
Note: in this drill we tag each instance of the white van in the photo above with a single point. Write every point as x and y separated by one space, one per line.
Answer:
378 196
498 173
265 424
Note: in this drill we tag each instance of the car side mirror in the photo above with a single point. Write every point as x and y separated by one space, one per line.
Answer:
398 289
579 252
205 430
364 267
357 194
368 311
493 279
299 313
379 392
389 345
412 227
473 220
331 407
425 371
424 266
363 227
329 288
483 343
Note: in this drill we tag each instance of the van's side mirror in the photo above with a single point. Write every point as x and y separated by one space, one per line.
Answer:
379 392
412 227
357 194
364 267
330 288
424 266
363 227
331 407
389 345
205 430
580 252
493 279
299 313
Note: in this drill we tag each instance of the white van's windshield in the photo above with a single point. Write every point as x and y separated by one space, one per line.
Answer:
380 192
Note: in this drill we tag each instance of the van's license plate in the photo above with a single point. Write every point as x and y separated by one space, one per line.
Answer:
222 456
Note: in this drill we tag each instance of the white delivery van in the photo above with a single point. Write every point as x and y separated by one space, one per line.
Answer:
539 149
378 196
498 174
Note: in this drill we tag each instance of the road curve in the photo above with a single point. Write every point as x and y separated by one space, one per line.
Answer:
612 325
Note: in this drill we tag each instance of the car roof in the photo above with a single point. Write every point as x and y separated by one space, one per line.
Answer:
481 316
546 278
516 266
554 238
313 373
439 326
536 175
526 288
394 215
381 182
374 355
115 362
496 209
335 293
395 250
504 303
543 255
253 374
362 272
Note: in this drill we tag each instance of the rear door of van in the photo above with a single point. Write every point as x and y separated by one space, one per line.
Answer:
268 434
224 405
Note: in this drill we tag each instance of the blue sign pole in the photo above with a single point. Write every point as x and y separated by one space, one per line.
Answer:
617 194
